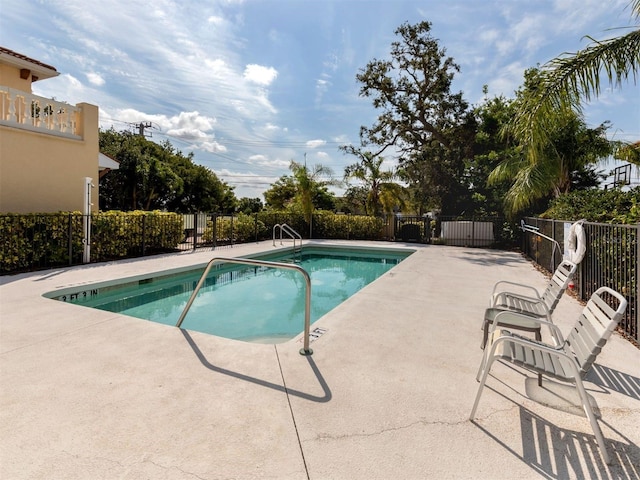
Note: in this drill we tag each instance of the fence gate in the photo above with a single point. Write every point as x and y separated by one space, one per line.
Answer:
411 229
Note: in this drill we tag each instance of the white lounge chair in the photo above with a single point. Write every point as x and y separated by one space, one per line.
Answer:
570 360
531 305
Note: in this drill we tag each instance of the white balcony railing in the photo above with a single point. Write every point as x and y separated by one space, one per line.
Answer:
30 112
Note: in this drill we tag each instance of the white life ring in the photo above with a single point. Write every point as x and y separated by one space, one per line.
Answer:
575 244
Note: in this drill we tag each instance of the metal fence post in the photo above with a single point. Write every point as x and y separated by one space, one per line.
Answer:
581 269
70 243
473 232
255 227
195 229
214 227
553 235
231 221
144 233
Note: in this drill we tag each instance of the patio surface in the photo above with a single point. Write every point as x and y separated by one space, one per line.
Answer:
87 394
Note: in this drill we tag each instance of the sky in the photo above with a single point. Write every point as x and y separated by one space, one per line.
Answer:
249 85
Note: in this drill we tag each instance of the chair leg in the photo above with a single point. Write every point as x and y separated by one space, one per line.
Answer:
485 334
592 420
481 386
483 362
539 339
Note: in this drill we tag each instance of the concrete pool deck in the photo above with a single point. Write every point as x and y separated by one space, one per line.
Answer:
87 394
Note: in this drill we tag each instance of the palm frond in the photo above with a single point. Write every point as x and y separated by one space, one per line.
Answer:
568 80
506 169
579 74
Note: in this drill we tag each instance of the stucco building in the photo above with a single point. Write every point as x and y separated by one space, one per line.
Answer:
49 152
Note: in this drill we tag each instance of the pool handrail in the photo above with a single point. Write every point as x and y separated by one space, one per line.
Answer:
260 263
289 231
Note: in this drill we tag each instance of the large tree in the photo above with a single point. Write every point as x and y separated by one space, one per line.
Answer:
491 148
430 127
156 176
570 79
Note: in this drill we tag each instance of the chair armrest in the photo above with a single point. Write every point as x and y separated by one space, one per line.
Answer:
529 288
556 334
523 298
541 346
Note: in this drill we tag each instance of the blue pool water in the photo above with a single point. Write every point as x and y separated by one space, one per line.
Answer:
247 302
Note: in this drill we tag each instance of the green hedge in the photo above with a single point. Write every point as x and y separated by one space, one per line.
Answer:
116 234
40 240
34 240
349 227
326 225
239 229
48 240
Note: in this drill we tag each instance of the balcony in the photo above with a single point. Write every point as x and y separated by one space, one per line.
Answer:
23 110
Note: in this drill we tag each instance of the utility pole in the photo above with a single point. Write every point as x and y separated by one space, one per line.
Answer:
141 126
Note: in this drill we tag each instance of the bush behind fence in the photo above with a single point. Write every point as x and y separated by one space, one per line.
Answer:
36 241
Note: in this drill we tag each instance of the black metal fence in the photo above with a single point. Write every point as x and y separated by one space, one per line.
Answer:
216 230
611 260
39 241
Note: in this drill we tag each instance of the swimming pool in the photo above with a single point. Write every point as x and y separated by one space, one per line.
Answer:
249 303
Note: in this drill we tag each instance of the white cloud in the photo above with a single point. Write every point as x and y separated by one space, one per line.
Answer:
217 67
575 15
264 161
260 75
95 79
193 120
252 184
187 133
315 143
189 124
322 86
507 80
489 35
212 147
258 159
215 20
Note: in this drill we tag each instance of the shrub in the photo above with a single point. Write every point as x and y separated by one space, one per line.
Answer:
604 206
35 240
55 239
350 227
242 228
116 234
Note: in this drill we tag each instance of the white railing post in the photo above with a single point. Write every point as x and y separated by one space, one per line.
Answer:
88 186
31 112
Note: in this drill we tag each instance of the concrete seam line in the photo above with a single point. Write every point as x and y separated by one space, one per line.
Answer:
293 418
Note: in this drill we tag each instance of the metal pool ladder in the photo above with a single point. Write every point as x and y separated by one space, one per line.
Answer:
260 263
291 233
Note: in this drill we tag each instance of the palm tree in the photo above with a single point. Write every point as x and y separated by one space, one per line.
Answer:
569 154
382 192
306 183
563 84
